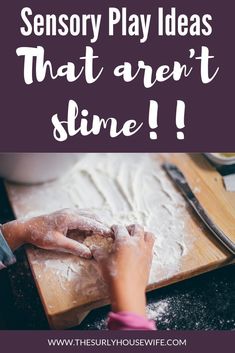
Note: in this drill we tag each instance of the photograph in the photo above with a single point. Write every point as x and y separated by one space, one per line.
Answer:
88 235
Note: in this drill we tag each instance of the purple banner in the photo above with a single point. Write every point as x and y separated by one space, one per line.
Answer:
106 341
117 76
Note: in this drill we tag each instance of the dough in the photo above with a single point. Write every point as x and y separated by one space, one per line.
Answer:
99 241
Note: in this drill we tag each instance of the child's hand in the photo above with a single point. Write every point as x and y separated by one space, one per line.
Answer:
126 269
49 231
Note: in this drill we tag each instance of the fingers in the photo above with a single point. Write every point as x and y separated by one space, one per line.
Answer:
85 212
90 225
88 213
149 240
130 228
136 230
85 223
133 230
84 220
149 243
71 246
120 232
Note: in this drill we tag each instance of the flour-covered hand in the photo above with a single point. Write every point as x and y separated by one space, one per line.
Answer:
126 268
50 231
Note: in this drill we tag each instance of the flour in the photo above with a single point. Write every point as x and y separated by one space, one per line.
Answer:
133 188
156 311
121 189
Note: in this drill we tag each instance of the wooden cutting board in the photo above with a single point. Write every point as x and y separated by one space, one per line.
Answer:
66 304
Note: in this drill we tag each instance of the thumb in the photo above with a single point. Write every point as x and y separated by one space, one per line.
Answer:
71 246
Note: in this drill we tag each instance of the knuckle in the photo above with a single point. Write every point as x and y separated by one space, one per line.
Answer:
150 236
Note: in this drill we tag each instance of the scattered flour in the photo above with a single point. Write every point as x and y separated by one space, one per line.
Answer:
156 311
197 190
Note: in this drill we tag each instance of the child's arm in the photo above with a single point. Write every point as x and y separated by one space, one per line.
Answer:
126 271
49 232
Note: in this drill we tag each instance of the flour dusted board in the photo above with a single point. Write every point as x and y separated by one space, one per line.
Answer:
126 189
